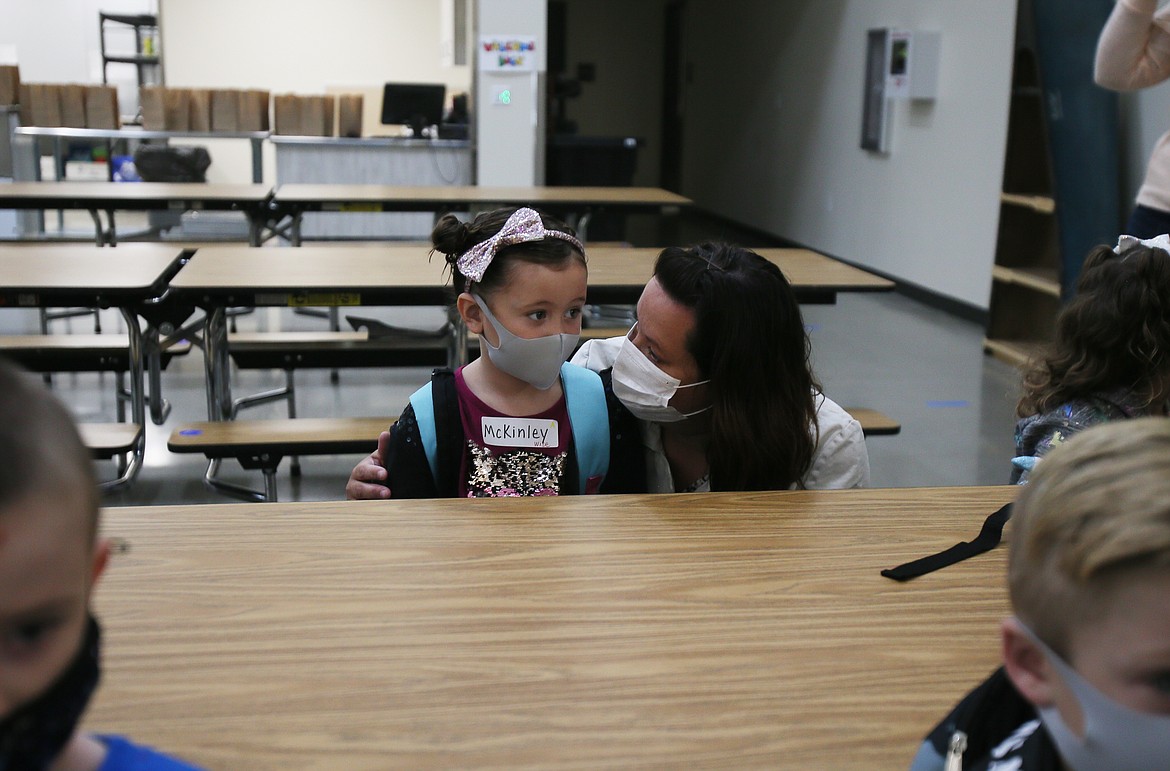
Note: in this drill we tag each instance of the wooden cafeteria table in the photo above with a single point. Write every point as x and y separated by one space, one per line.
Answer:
219 277
128 278
618 273
294 200
109 197
731 630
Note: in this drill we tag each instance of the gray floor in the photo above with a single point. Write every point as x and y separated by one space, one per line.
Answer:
885 351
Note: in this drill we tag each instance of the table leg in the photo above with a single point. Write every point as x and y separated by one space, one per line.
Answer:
137 370
255 230
59 171
583 226
217 365
257 160
99 235
457 353
137 404
159 407
334 326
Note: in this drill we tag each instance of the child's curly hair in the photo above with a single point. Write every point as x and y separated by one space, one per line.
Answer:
1115 333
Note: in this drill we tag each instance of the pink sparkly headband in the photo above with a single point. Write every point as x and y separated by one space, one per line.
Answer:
524 226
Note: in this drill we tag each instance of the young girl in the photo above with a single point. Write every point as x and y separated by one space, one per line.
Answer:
519 420
1110 359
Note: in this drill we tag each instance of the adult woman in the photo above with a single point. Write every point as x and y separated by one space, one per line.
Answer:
1110 359
717 372
1134 53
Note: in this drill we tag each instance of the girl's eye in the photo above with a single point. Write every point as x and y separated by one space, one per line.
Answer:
573 313
538 315
651 355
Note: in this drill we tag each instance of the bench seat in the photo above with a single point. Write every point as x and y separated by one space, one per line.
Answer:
262 444
874 423
78 353
331 350
107 440
279 437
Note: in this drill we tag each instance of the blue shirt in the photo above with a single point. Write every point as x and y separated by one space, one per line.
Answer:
123 755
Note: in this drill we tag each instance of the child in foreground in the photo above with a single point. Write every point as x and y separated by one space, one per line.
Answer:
50 560
1085 682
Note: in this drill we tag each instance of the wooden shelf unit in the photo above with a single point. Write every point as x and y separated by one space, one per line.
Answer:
1060 194
1025 292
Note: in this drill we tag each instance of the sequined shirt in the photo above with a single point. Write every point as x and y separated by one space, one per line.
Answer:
492 470
1036 435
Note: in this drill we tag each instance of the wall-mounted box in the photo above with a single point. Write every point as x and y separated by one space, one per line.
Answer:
898 65
912 64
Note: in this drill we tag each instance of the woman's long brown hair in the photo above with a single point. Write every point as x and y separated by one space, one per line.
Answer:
749 339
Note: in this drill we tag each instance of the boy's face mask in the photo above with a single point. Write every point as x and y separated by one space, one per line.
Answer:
36 733
1117 737
537 361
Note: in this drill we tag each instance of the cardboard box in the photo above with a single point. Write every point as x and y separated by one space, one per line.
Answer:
101 108
72 105
152 101
199 110
25 105
349 115
317 116
225 110
9 84
254 110
177 109
44 105
286 110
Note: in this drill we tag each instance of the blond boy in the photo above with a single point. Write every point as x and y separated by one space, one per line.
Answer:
50 560
1085 683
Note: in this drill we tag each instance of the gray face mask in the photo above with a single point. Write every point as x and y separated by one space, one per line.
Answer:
537 361
1117 737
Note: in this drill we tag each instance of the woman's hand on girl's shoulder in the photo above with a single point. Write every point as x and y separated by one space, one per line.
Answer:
367 481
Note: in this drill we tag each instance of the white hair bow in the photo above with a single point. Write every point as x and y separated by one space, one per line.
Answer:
1158 242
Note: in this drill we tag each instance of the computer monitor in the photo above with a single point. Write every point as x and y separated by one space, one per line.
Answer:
413 104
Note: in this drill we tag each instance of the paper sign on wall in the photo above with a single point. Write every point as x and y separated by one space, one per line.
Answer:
507 53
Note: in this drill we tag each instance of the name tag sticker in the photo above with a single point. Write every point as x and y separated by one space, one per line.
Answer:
520 432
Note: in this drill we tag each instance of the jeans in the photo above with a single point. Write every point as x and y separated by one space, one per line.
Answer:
1147 223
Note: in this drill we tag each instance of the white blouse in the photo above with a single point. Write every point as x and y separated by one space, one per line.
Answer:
840 459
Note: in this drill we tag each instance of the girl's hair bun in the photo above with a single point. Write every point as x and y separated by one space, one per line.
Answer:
451 237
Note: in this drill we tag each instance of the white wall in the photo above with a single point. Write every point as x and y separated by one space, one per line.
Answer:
773 125
624 40
302 46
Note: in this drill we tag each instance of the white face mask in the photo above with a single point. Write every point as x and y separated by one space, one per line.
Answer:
1117 737
644 389
537 360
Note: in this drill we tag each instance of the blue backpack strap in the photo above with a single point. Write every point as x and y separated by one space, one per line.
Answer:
589 418
423 403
